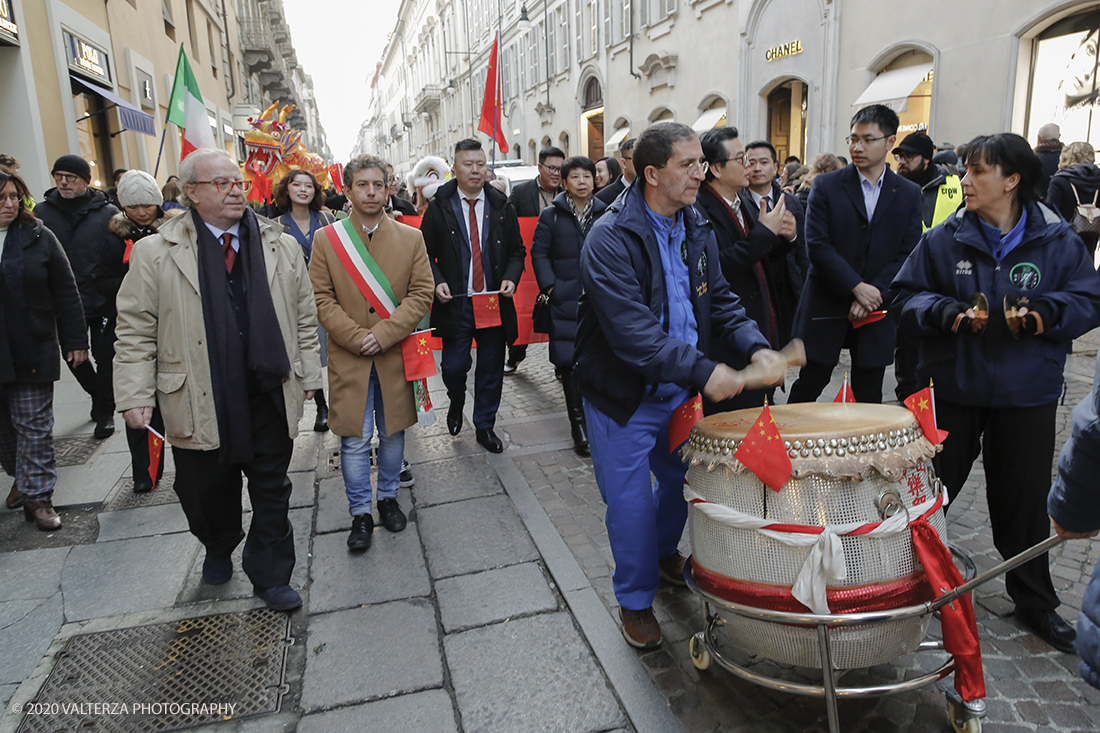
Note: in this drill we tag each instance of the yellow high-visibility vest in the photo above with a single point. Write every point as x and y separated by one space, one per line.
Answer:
947 200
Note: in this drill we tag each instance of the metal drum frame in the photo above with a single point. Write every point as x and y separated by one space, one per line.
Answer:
965 716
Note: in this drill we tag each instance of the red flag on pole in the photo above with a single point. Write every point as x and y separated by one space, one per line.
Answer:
923 406
490 106
683 420
872 317
762 451
486 309
156 448
845 394
336 175
416 350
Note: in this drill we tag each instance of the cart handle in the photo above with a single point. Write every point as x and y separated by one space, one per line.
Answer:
1010 564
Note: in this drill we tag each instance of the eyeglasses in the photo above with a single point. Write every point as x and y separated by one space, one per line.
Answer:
227 186
65 177
10 198
864 141
551 168
739 159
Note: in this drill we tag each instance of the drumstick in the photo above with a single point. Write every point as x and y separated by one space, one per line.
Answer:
759 376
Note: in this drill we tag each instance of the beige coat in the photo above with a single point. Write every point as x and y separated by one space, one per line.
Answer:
347 316
161 354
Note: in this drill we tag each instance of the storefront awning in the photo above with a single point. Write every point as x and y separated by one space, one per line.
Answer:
130 117
709 119
892 88
612 145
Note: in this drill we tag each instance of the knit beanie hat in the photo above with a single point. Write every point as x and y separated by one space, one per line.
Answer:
73 164
138 188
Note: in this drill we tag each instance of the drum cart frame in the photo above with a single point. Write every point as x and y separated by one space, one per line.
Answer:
966 717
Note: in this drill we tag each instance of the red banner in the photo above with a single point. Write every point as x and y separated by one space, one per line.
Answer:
156 449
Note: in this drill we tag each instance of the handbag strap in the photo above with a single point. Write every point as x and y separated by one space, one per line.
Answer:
1076 197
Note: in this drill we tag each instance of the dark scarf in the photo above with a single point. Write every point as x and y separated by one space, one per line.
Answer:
231 361
18 347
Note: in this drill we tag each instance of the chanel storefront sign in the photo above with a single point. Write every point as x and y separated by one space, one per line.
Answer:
787 49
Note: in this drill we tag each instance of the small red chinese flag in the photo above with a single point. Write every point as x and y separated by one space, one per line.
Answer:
261 189
763 453
923 406
416 350
683 420
486 309
336 175
156 448
845 394
871 317
129 249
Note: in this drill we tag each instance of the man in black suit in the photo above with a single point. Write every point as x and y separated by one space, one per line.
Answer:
492 260
861 223
395 203
762 167
530 198
752 248
626 160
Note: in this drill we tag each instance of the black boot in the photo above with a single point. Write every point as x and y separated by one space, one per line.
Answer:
321 424
575 411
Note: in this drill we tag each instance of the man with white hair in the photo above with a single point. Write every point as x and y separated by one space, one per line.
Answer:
1049 151
217 325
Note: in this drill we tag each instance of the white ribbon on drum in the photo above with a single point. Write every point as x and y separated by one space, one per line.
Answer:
826 562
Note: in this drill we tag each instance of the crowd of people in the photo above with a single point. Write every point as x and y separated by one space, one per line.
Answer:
663 273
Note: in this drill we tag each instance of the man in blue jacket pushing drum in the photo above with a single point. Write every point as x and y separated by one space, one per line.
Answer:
654 301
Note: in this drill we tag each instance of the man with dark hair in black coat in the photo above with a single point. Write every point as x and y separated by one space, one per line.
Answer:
79 216
473 240
626 159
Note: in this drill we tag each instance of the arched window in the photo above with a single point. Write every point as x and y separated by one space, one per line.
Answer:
593 94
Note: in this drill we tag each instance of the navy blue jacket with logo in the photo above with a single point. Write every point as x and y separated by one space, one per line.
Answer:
954 261
623 348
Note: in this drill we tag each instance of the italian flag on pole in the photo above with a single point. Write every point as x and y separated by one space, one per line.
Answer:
187 111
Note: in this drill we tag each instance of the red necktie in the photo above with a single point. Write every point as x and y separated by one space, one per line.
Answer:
475 249
227 249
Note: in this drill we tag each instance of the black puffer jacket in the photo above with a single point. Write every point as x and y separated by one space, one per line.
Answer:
81 225
1085 178
52 315
556 259
113 260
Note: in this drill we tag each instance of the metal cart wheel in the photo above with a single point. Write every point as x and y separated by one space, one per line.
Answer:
961 723
700 655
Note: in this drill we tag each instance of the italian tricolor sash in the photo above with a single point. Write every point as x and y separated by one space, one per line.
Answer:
364 271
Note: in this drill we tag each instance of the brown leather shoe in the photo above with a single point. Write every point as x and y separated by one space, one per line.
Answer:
672 569
640 628
15 498
42 514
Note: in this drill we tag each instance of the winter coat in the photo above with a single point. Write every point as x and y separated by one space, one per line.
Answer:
82 233
953 262
525 197
502 249
1086 179
161 356
1074 503
793 275
556 260
54 318
623 348
846 249
111 269
1049 152
348 317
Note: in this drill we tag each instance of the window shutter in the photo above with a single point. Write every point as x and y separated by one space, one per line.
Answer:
643 12
607 25
670 7
563 21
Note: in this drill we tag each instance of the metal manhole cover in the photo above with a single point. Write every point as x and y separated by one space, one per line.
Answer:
125 498
74 450
166 677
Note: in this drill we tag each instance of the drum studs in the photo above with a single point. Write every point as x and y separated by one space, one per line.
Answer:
817 453
787 444
893 433
882 436
797 445
840 451
882 444
832 443
828 450
810 444
805 452
792 453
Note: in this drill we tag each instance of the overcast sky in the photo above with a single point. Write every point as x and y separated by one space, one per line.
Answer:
339 42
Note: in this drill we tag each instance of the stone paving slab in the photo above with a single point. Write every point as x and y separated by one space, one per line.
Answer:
92 481
31 574
441 482
304 491
141 522
548 431
542 666
26 630
332 505
125 576
355 655
430 712
494 595
393 568
473 535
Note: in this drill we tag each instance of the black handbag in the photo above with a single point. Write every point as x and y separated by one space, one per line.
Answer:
540 314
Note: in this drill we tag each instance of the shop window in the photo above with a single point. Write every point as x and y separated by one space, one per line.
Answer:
905 86
169 24
93 137
1063 86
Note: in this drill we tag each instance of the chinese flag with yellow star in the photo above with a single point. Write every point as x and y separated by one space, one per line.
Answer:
156 449
683 420
923 405
486 309
763 453
416 350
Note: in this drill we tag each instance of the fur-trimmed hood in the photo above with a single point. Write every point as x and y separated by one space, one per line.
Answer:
123 226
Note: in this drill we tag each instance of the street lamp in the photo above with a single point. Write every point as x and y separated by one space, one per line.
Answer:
526 24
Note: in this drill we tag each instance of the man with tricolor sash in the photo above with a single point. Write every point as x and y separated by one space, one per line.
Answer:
374 286
477 257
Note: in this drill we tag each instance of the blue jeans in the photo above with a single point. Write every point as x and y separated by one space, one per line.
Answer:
355 455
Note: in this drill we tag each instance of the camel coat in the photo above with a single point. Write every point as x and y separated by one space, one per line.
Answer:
348 317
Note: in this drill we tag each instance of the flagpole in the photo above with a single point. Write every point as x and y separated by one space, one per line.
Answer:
496 100
164 133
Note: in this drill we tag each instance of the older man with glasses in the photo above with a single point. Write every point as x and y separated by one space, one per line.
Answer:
217 325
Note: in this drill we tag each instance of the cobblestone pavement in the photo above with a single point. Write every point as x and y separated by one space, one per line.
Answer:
1030 686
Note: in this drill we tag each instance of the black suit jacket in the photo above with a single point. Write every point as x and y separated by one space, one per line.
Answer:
525 198
502 250
611 191
401 206
798 257
846 249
